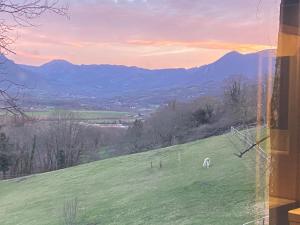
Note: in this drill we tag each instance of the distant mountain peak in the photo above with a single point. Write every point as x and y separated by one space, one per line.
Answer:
237 56
57 62
233 53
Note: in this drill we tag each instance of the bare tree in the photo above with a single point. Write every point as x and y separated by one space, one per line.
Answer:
22 13
13 15
240 99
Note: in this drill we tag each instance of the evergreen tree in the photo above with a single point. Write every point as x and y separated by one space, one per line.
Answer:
5 154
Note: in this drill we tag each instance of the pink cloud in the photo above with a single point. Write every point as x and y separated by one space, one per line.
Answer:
203 45
128 32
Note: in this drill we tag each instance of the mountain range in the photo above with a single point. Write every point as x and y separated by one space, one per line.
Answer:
61 83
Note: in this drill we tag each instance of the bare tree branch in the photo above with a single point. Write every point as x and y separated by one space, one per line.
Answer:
22 13
241 154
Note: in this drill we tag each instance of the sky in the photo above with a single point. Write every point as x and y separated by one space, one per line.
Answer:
149 33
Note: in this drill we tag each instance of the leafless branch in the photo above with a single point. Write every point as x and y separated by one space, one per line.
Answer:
241 154
22 12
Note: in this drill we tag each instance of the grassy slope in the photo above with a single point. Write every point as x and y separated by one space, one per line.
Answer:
125 190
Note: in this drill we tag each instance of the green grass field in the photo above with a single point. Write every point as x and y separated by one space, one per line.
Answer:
83 114
126 191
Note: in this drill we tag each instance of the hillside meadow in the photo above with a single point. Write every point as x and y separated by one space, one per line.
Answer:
127 191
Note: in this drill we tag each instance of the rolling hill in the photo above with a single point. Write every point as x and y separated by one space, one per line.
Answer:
126 190
115 86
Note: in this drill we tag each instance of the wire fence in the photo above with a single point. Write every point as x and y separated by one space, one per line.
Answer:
245 137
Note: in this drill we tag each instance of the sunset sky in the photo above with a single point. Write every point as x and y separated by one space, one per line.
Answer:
149 33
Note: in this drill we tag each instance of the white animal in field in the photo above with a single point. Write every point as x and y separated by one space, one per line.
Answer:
206 163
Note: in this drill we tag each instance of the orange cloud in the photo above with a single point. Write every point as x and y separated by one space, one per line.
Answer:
245 48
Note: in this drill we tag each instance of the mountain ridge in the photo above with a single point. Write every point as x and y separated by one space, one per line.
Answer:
54 61
131 86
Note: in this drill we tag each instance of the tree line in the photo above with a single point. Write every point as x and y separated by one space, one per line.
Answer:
181 122
46 146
